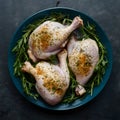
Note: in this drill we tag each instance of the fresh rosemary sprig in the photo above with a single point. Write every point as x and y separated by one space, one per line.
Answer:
20 51
70 94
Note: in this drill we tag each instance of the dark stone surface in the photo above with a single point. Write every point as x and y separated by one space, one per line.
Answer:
106 106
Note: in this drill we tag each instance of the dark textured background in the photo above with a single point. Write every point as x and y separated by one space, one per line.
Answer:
106 106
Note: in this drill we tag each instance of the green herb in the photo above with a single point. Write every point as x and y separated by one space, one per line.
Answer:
28 82
20 51
71 95
53 59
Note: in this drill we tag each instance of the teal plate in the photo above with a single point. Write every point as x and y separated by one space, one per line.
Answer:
72 13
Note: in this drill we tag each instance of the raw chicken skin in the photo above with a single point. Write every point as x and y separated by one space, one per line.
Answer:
52 81
49 38
83 56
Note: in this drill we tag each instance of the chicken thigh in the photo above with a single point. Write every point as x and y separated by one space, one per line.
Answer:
52 81
83 56
49 38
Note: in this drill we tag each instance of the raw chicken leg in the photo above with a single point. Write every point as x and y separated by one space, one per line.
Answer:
83 56
49 38
52 81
